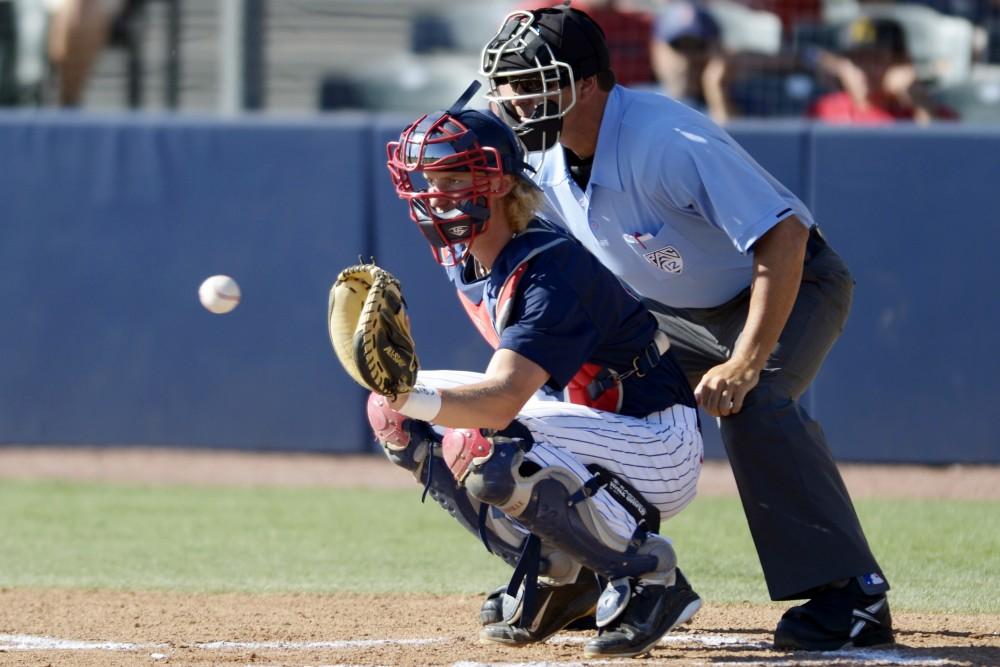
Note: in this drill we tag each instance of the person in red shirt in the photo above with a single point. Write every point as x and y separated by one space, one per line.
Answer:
878 78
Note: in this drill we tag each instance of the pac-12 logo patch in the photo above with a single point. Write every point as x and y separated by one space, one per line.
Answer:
666 259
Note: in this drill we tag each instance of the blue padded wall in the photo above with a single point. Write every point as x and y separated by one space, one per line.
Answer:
915 214
781 149
109 224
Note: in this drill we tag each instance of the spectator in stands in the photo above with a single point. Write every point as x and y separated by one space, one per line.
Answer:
626 31
687 57
791 12
879 80
985 18
77 35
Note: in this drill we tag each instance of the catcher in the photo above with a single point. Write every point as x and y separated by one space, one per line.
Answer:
582 433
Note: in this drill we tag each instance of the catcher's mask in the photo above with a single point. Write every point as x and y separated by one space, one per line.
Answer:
452 211
535 55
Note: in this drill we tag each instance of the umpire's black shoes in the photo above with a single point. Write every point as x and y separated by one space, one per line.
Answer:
652 612
836 618
556 607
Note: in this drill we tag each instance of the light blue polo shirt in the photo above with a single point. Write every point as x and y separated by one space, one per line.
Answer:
673 205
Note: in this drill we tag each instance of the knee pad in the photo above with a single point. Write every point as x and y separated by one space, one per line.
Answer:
413 445
405 441
388 425
543 502
502 540
486 465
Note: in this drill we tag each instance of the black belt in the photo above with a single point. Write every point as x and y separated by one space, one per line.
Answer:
815 244
643 362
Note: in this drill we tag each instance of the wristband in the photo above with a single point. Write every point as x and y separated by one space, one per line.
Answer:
423 403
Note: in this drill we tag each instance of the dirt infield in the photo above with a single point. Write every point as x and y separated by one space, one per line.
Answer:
405 630
68 627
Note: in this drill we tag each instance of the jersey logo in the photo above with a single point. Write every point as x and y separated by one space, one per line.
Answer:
666 259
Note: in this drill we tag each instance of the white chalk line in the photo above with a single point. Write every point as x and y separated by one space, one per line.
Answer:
301 646
37 643
34 643
850 656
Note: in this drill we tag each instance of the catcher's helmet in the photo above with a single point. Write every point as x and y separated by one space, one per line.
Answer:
537 52
467 141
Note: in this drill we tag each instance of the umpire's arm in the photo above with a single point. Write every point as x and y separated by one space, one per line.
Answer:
777 273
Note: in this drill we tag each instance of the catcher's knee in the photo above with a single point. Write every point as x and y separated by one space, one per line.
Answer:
487 465
547 501
554 511
403 440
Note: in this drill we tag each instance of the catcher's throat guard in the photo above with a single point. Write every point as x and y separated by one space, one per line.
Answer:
447 166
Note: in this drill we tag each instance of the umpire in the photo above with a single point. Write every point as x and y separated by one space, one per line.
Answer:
741 279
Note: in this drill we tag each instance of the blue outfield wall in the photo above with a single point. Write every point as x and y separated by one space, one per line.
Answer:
109 223
107 227
916 214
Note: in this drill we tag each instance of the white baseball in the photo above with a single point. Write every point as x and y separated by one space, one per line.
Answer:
219 294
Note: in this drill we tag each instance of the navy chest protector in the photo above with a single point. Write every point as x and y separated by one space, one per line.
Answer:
594 385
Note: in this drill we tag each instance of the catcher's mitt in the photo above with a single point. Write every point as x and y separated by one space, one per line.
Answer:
370 330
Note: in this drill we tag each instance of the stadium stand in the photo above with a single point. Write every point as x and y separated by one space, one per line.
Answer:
317 52
22 52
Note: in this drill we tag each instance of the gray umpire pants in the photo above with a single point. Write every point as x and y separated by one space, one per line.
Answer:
803 523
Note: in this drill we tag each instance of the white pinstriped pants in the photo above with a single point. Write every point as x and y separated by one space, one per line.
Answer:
660 455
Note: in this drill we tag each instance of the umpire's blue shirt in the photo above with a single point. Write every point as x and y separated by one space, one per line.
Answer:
673 204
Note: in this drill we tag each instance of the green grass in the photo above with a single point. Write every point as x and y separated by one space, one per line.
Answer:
940 555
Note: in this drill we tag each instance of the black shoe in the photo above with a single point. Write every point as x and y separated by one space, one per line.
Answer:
492 609
836 618
492 612
556 607
652 612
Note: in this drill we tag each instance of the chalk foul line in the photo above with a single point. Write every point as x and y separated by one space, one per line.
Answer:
887 656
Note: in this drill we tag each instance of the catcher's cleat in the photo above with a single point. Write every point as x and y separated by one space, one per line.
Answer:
653 611
836 618
492 612
492 609
557 608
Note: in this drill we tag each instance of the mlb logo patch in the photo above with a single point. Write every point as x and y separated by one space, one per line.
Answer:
874 579
666 259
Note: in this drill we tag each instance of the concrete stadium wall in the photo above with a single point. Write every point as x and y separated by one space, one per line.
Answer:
108 224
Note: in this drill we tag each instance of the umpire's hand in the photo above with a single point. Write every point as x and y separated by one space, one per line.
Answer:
723 388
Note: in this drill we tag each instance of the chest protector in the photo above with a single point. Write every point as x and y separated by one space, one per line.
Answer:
593 385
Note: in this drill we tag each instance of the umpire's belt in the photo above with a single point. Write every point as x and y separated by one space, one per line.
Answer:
643 362
815 244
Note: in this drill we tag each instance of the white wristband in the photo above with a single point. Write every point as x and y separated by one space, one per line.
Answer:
423 403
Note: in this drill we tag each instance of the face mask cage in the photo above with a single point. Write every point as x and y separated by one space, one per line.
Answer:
540 83
444 145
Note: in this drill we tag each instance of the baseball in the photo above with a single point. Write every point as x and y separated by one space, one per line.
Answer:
219 294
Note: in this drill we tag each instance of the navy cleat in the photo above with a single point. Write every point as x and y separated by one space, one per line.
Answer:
558 608
653 611
837 618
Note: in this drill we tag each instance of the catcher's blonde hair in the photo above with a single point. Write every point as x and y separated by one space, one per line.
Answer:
521 204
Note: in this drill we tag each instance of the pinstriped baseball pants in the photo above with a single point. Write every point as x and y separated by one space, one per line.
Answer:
660 455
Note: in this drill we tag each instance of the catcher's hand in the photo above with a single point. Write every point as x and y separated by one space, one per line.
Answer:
370 330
